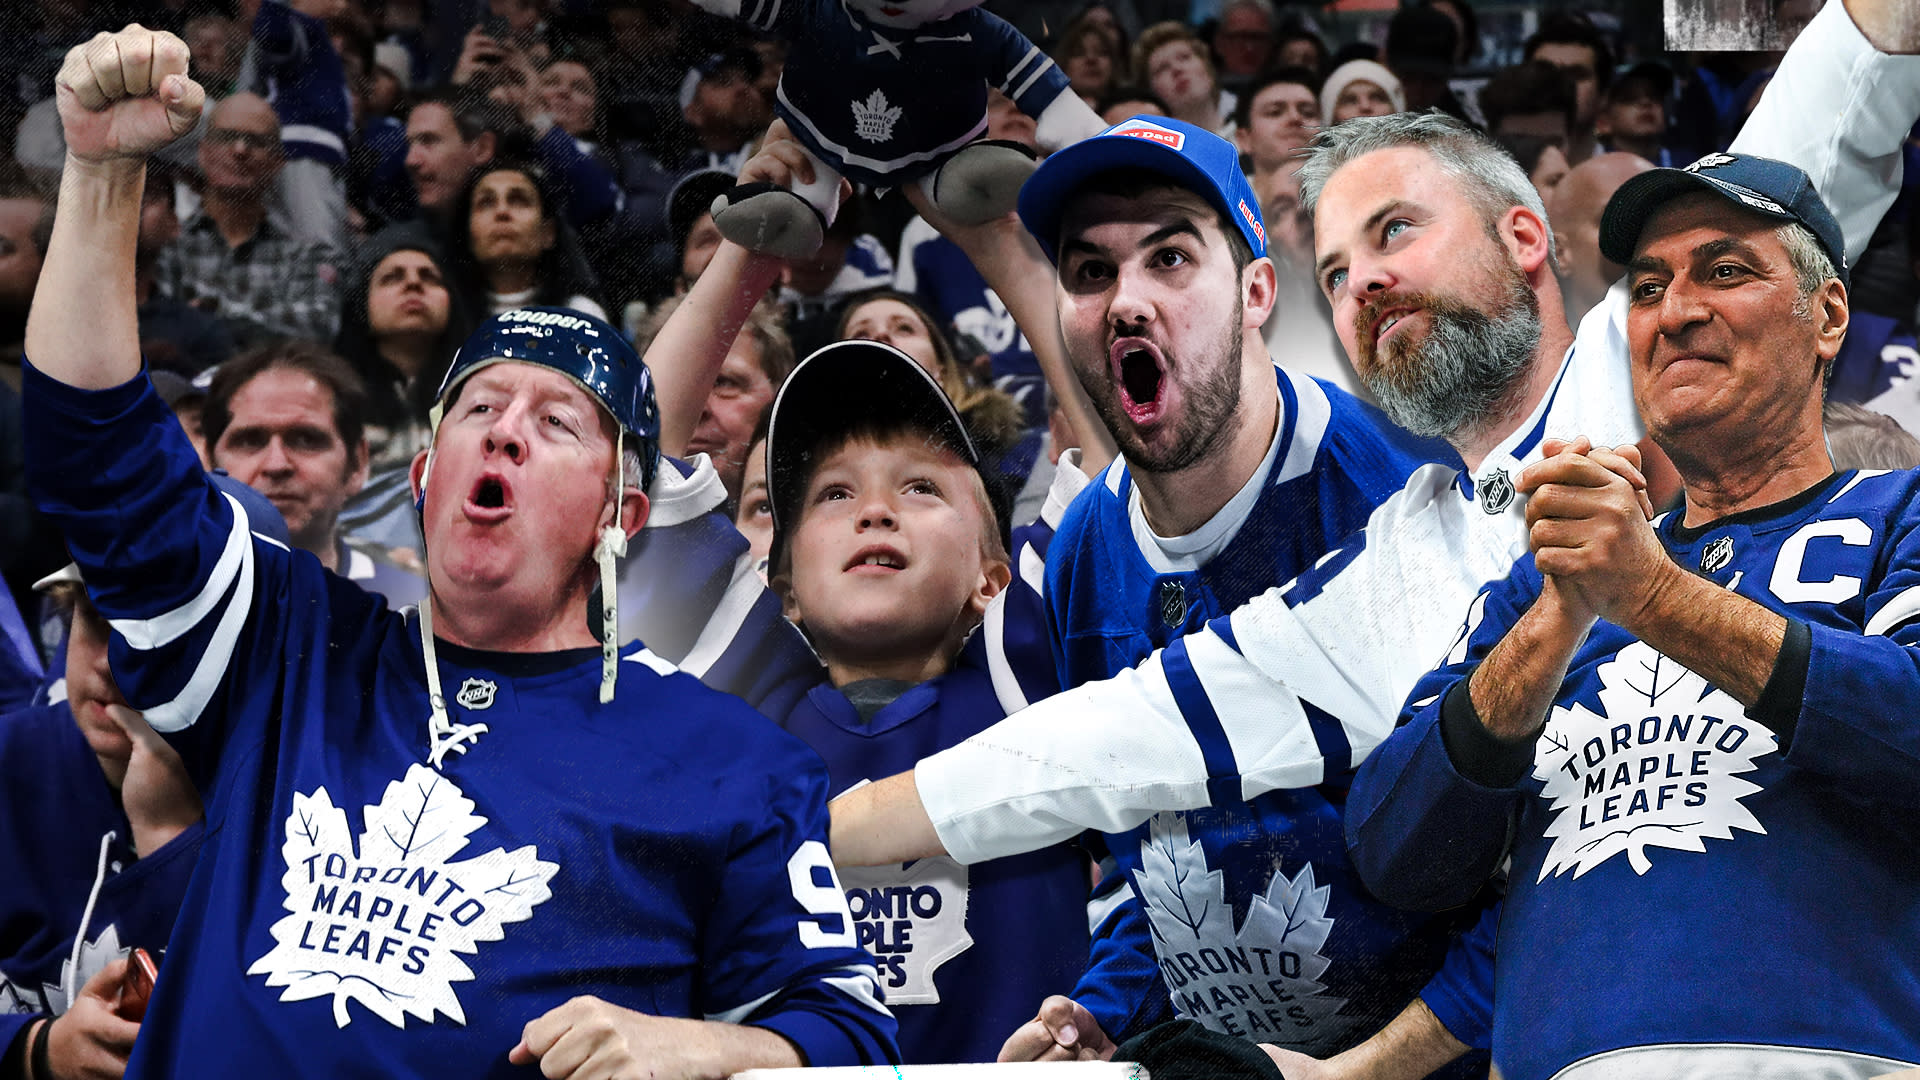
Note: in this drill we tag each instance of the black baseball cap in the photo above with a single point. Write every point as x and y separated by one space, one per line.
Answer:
1770 188
845 386
693 195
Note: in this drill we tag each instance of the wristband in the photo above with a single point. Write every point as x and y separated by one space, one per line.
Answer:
41 1067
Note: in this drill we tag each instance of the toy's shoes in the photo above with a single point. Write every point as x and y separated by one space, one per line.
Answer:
771 220
981 181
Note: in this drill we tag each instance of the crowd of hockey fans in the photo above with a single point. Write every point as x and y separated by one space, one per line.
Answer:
374 180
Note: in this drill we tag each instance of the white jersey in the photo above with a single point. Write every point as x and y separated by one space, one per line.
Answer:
1304 680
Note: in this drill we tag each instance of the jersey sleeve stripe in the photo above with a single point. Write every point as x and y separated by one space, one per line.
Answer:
1331 736
1045 66
729 615
1223 787
166 628
1309 414
1006 684
1018 68
184 710
1895 613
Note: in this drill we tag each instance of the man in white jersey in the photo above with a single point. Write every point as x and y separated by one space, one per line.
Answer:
1306 679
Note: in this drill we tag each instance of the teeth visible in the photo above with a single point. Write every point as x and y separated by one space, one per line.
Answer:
879 560
1388 325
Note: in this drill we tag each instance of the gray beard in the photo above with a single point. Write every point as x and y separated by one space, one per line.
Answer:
1462 376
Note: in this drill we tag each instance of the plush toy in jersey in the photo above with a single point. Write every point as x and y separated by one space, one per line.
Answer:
891 92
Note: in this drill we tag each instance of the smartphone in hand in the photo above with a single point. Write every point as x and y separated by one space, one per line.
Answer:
137 986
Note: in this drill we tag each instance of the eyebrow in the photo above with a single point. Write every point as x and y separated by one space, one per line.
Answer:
1712 249
1183 227
1373 222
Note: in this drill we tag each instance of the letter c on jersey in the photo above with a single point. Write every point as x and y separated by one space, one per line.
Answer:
1789 586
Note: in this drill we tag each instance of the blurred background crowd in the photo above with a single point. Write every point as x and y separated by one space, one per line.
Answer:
374 176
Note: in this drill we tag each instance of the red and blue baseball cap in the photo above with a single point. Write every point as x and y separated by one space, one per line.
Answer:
1772 189
1190 157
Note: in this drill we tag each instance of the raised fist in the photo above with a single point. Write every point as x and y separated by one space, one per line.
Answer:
127 94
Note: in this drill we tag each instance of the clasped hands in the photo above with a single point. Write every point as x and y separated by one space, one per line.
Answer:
1589 527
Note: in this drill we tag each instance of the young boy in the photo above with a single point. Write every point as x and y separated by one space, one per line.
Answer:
889 553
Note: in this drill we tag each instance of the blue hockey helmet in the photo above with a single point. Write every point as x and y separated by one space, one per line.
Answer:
579 346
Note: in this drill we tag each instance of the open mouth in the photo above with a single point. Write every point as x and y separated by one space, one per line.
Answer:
876 560
1141 378
491 499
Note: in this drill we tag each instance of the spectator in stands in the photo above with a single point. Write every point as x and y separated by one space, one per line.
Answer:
1540 156
1299 46
174 336
1633 114
216 44
1091 58
1574 211
690 222
1361 88
1126 101
286 420
188 399
756 366
993 419
723 104
754 515
1535 98
450 133
401 322
571 97
1176 66
888 549
1467 26
1860 438
513 248
1570 42
25 219
1243 41
1276 116
234 260
305 79
850 260
1421 42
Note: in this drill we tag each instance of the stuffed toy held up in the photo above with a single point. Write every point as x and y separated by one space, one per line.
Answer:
891 92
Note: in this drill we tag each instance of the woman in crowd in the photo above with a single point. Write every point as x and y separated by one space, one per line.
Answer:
1090 52
513 246
1361 88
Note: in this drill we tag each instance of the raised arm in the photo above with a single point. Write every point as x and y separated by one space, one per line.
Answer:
122 96
1018 272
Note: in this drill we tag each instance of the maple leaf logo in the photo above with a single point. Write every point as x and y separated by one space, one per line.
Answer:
913 918
1260 981
1657 767
873 119
94 955
383 926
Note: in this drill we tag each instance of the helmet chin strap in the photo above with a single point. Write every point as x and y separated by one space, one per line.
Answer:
443 735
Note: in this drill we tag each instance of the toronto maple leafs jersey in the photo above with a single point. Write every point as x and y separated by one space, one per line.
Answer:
1305 680
883 104
73 877
1233 906
965 953
934 269
356 910
1693 884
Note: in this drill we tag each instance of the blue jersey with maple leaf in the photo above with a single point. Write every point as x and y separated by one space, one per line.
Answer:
356 911
1690 878
1246 913
884 104
965 953
74 875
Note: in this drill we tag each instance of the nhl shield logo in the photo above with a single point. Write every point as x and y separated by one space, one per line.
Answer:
1717 555
476 694
1496 492
1173 603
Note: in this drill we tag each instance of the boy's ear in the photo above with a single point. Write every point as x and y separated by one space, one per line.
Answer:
782 586
995 575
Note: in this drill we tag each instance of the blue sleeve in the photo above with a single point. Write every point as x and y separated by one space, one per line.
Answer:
197 603
1854 725
20 670
1421 834
779 949
592 192
280 33
1121 986
14 1026
1460 994
1017 66
1015 634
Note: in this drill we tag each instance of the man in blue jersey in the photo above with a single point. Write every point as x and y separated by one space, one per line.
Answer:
451 842
1304 681
1707 716
1234 476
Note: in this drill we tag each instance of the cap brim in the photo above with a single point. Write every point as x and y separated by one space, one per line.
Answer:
693 196
66 575
1637 200
1044 195
841 387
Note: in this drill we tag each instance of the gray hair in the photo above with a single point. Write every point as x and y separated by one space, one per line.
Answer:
1494 181
1811 266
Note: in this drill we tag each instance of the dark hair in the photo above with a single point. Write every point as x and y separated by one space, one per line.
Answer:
1131 183
355 343
1524 89
1568 28
308 358
1299 76
1469 27
994 419
475 114
563 272
1118 94
1288 34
